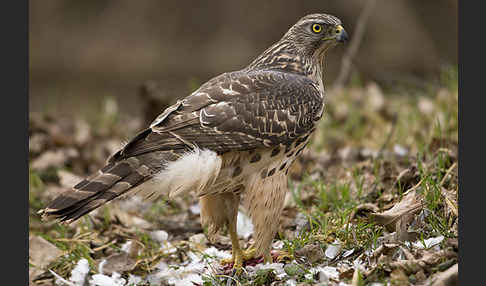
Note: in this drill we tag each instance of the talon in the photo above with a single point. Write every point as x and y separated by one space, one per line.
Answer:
283 256
248 254
226 261
239 257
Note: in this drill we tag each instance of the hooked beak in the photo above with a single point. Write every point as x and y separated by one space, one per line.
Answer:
341 35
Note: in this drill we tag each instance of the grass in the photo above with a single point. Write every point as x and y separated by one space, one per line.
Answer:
427 136
330 196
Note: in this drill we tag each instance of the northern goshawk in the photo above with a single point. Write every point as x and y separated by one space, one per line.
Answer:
233 138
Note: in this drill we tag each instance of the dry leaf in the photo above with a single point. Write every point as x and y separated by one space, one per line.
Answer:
41 253
448 277
401 226
333 250
54 158
68 179
364 209
398 277
129 220
400 213
426 261
119 262
385 249
38 142
313 252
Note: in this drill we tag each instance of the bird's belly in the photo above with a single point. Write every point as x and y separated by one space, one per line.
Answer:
238 167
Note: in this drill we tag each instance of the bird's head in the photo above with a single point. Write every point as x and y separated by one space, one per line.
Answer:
307 40
314 34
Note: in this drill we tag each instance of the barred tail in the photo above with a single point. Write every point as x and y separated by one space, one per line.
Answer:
111 181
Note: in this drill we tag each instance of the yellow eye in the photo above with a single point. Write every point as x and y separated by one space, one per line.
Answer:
316 28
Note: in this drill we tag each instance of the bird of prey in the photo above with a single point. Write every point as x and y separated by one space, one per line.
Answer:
231 140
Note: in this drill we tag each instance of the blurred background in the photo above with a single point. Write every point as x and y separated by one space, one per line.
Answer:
100 70
82 52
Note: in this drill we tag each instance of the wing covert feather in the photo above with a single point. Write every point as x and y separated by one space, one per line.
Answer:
235 111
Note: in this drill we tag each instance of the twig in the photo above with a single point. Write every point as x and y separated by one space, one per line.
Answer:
413 188
59 277
354 44
104 246
72 240
447 174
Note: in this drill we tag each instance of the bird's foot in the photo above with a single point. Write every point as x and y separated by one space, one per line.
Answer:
267 258
239 257
283 256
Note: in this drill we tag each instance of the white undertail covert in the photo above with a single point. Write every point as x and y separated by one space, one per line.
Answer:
195 170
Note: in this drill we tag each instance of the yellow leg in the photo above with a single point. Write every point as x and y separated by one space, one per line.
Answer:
284 256
235 247
267 258
239 255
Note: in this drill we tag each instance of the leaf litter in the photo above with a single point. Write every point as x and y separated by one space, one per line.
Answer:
357 213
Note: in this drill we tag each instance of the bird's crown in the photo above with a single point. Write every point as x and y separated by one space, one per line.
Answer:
303 46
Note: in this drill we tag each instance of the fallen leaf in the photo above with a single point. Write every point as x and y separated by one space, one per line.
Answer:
420 275
52 191
402 233
384 249
405 209
347 274
364 210
398 277
53 158
428 242
132 248
103 280
159 235
313 252
118 262
68 179
38 142
325 273
333 250
80 272
199 238
348 253
426 261
453 242
129 220
406 176
41 253
448 277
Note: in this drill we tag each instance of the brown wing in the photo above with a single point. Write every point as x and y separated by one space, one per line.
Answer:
235 111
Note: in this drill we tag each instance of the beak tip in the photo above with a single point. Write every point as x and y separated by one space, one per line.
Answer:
343 37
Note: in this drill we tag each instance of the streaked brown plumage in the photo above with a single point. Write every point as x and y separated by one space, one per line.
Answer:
231 140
